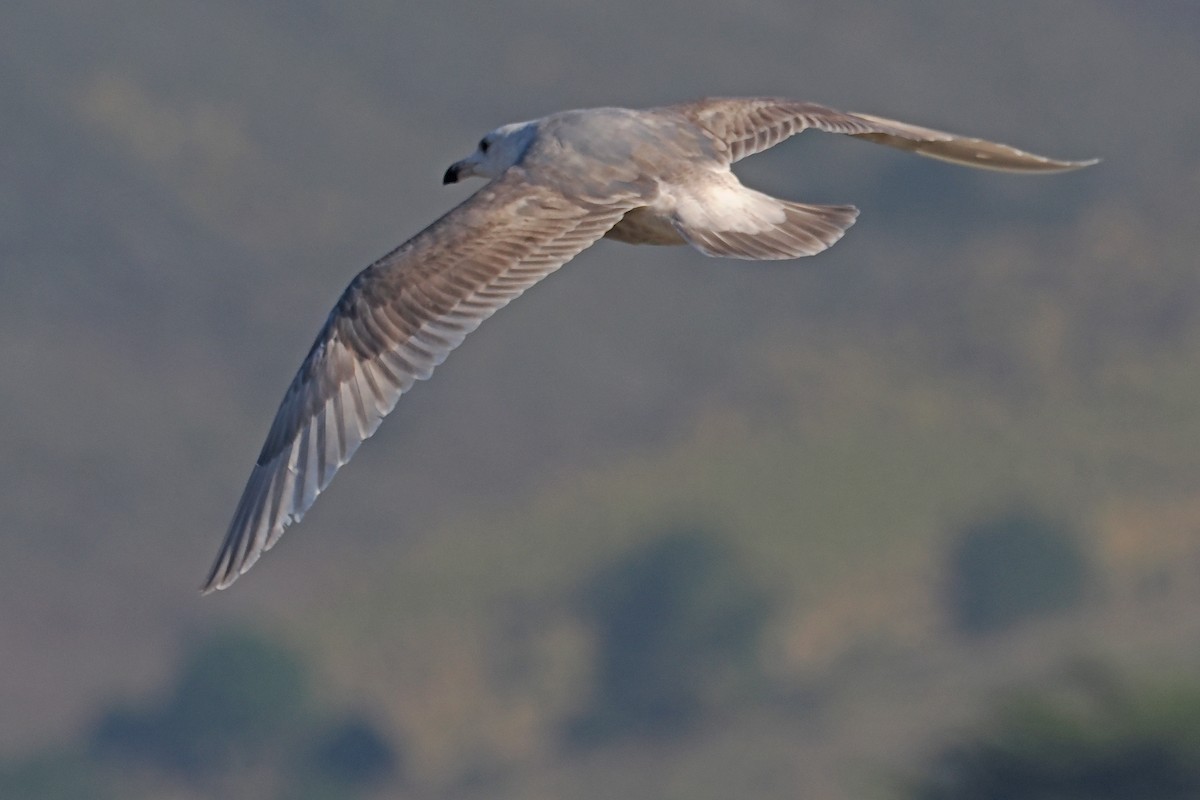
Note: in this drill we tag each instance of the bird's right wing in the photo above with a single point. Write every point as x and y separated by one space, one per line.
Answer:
745 126
398 319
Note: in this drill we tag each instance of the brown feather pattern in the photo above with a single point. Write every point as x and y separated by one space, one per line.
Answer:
397 321
749 126
667 169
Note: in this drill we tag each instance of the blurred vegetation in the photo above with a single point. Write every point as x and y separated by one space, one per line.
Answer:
1014 566
241 707
352 752
678 624
1098 738
54 776
237 695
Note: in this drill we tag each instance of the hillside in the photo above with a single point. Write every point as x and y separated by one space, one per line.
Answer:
186 189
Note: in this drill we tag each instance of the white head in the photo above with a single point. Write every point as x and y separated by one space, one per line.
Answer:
496 152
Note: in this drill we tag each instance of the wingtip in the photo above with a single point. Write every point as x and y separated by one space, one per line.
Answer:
216 581
1064 165
1005 158
224 571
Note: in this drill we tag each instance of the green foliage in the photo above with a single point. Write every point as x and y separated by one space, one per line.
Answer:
1011 567
353 752
235 694
240 706
53 776
340 761
678 625
1099 741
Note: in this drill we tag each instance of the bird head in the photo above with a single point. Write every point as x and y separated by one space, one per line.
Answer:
497 151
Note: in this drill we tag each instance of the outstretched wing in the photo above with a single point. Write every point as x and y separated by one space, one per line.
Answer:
751 125
398 319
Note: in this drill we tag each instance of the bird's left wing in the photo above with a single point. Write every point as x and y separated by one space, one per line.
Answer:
745 126
398 319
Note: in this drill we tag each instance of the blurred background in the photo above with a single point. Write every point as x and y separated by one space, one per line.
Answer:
916 519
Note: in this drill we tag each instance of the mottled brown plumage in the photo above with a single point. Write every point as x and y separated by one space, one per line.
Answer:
558 184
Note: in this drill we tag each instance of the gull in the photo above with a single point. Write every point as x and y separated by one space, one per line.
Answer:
556 185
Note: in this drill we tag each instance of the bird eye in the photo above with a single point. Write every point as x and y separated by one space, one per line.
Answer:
484 144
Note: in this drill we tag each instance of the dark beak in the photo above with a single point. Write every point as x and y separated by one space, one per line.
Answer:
451 175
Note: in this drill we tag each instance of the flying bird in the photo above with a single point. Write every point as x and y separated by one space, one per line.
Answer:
556 185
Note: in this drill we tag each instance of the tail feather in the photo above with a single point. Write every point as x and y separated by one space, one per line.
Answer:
721 217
